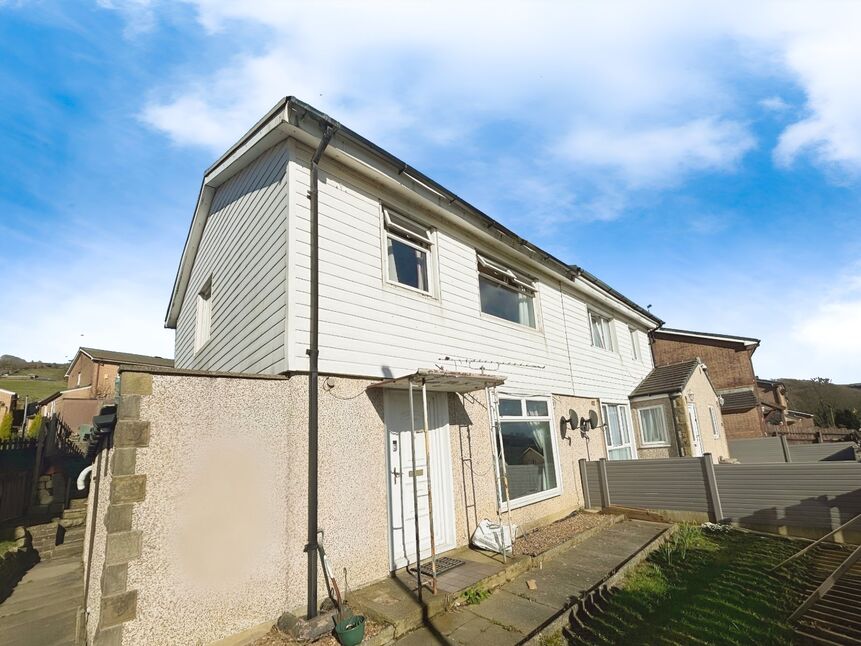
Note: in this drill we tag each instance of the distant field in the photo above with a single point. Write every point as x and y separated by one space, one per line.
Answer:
50 381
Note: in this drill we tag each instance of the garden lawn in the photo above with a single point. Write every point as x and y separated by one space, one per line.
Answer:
706 587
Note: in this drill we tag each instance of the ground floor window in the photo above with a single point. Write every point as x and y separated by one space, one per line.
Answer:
617 432
527 443
653 428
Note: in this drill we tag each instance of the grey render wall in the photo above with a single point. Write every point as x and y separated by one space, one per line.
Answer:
244 250
763 450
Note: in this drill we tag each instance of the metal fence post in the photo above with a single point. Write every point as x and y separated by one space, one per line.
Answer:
584 480
711 487
787 456
605 483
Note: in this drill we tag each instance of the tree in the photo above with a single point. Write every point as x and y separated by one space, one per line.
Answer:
6 426
35 426
847 418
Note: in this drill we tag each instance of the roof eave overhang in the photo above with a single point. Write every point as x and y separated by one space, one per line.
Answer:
293 118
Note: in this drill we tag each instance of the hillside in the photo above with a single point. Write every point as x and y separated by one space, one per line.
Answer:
31 379
805 395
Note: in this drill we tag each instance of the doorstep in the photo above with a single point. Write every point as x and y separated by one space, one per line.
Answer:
394 601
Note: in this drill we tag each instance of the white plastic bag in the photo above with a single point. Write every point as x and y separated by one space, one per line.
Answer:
493 536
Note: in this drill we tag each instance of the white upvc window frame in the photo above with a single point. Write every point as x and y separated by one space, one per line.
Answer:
634 335
512 280
530 499
415 234
608 333
203 316
663 418
626 416
715 423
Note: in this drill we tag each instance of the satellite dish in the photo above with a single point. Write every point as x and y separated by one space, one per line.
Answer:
594 422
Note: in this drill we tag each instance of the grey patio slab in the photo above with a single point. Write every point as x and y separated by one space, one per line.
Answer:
482 631
511 610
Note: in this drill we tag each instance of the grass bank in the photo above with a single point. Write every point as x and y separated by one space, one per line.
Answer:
706 587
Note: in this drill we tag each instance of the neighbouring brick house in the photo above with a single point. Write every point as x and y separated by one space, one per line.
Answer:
8 400
730 367
91 382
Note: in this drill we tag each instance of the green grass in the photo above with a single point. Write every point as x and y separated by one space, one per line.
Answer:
51 380
705 588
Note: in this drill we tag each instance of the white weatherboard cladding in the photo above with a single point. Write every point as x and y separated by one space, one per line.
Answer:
370 328
244 251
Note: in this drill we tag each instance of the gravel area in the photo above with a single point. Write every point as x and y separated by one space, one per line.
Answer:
276 638
542 539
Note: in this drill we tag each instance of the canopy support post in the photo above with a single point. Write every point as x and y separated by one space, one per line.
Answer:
429 483
415 494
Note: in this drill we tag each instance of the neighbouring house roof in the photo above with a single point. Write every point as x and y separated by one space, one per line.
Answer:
738 400
11 392
113 357
292 117
671 378
712 336
771 383
51 398
798 413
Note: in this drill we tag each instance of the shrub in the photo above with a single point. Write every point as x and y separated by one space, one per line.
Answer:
6 426
35 426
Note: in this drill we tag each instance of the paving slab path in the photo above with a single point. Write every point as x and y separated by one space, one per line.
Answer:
513 612
43 607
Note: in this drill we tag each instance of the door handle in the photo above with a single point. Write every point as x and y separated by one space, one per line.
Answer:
396 473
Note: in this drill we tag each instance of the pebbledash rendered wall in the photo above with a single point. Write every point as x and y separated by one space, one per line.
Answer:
201 521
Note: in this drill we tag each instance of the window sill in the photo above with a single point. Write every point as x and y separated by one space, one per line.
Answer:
531 499
655 446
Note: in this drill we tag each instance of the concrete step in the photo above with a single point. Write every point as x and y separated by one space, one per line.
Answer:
73 534
78 503
75 548
71 513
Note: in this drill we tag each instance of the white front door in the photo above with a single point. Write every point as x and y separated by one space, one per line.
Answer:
404 475
696 439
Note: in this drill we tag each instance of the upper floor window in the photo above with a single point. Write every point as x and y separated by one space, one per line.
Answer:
506 293
635 344
602 331
408 246
203 316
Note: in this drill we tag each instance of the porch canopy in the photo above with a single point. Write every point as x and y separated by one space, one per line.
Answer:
445 381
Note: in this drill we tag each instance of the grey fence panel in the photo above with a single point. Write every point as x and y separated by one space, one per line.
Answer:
760 450
810 495
673 484
766 450
827 452
593 484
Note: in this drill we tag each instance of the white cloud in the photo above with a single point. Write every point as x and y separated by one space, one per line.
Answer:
774 104
662 155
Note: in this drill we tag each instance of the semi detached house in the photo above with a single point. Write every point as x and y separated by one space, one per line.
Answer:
415 286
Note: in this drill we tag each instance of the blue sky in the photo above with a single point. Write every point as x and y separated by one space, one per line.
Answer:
704 160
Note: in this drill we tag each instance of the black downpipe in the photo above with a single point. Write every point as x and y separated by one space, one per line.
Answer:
313 376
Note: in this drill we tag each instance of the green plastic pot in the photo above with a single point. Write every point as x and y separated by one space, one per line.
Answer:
351 631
